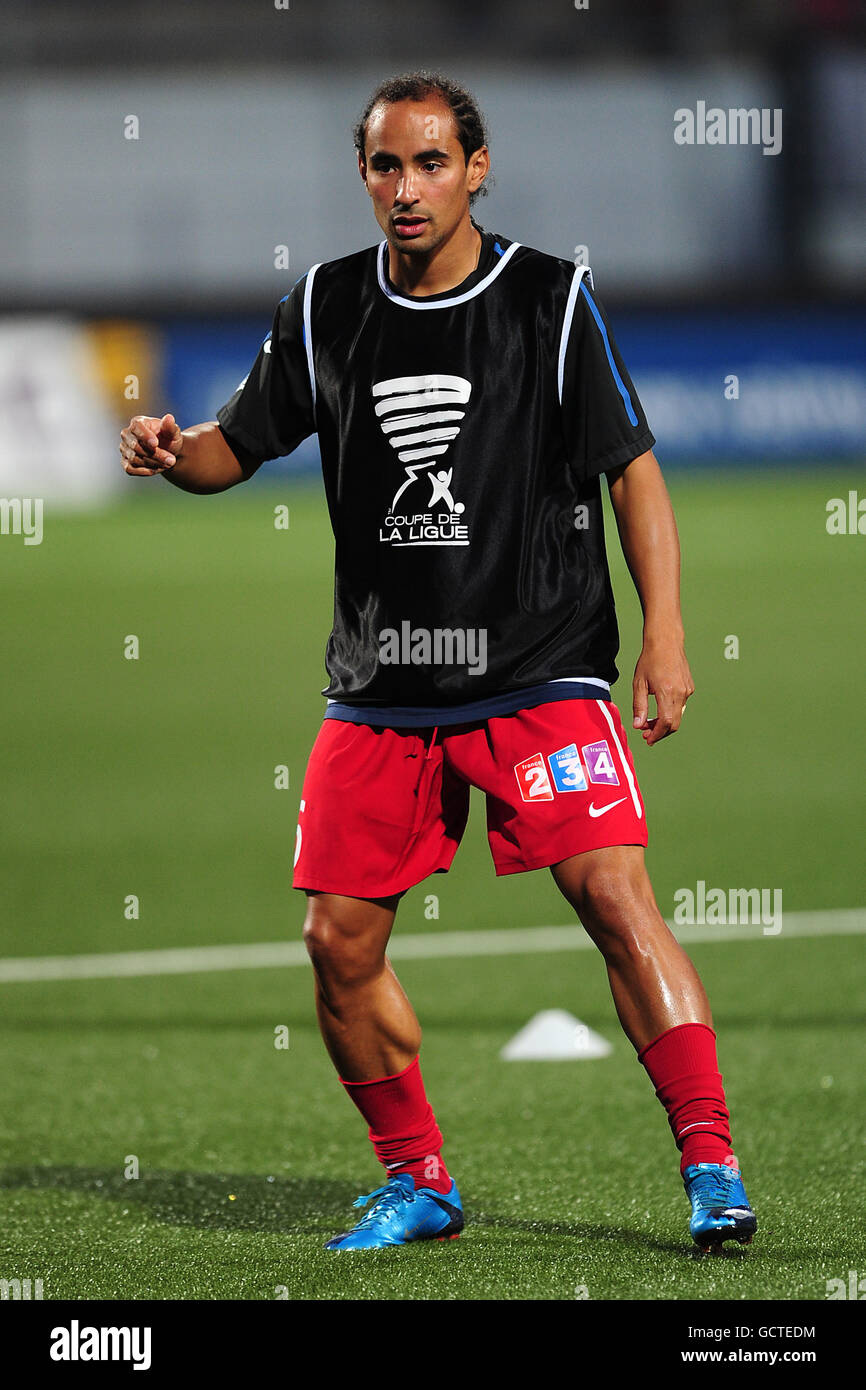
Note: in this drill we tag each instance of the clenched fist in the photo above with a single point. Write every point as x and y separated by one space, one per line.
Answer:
150 445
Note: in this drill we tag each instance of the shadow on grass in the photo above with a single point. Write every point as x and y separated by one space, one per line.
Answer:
583 1230
285 1206
210 1201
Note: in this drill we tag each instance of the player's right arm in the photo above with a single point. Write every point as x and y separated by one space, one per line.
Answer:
197 459
267 416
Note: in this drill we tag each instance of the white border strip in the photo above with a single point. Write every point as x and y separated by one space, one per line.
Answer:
579 273
624 760
308 326
442 303
584 680
513 941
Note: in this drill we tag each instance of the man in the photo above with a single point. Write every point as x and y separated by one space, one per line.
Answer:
468 394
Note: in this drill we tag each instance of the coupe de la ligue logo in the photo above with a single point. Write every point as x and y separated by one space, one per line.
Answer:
419 416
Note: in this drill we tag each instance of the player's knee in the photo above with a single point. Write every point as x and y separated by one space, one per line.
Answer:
617 904
340 953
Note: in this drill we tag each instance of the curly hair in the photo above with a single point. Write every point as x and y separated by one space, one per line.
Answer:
415 86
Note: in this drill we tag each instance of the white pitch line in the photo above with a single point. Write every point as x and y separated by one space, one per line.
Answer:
268 955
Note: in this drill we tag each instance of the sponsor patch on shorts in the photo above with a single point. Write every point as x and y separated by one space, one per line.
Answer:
532 779
599 763
566 769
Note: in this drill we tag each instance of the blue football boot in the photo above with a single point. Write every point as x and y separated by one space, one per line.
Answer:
720 1207
402 1214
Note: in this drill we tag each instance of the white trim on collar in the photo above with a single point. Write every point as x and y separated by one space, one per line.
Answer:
440 303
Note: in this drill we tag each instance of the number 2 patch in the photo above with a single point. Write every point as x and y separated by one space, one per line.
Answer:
532 779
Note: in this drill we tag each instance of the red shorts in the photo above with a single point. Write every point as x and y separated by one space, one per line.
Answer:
383 808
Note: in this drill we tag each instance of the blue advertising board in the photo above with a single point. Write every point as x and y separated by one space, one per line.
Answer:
718 388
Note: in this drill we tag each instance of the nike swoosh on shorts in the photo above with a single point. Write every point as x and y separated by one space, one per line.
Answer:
596 811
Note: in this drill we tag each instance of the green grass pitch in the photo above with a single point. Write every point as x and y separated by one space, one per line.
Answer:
155 777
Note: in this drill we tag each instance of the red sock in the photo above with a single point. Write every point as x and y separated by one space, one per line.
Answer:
403 1128
682 1066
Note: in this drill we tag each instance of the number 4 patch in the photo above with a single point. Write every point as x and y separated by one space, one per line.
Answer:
532 779
599 763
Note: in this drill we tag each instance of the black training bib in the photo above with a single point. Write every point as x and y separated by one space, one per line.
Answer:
462 437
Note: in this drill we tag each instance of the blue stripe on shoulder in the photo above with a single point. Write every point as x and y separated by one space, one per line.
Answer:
297 282
620 384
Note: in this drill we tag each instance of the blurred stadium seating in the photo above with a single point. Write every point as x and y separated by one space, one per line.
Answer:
717 262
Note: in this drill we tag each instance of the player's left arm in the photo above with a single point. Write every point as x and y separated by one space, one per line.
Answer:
648 534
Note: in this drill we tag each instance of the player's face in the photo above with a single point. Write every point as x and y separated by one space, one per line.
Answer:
417 175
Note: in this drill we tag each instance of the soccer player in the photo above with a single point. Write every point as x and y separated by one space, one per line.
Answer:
468 395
